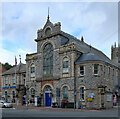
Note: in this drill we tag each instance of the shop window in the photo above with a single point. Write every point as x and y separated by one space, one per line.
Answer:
13 94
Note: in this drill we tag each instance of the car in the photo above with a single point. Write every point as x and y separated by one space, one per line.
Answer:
4 104
1 103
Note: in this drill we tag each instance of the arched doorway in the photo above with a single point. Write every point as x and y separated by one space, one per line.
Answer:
47 95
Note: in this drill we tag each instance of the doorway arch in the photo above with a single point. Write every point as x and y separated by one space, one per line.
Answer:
47 95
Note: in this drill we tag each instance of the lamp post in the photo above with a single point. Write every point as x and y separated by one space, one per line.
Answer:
27 95
75 93
9 93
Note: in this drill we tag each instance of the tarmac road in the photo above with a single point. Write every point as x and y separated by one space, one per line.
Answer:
40 113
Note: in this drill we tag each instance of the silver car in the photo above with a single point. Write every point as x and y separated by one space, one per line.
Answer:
5 104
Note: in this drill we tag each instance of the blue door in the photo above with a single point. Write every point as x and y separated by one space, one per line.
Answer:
47 100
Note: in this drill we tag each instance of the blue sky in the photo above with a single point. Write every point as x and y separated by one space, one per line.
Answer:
96 21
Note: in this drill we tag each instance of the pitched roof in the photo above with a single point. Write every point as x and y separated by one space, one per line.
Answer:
21 68
88 57
85 48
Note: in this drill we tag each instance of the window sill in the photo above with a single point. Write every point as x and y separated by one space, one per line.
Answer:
81 76
32 77
96 75
65 73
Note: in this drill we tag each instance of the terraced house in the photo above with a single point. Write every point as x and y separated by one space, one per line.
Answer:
13 84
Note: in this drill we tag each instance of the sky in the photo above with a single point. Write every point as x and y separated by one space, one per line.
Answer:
97 22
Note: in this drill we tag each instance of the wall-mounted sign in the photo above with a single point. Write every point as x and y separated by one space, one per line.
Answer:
89 99
108 97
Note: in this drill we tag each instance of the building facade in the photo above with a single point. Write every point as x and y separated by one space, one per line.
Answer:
13 84
2 70
66 69
115 57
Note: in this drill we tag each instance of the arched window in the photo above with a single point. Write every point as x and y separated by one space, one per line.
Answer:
47 88
47 31
65 92
81 93
32 70
48 59
32 92
65 65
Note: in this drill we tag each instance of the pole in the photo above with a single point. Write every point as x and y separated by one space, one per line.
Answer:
16 81
74 88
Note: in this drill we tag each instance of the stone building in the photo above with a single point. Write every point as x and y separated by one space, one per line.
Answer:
2 69
115 57
66 69
13 84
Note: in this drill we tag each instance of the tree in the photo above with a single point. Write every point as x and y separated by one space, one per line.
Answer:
7 66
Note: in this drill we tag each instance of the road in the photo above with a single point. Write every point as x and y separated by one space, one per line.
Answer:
40 113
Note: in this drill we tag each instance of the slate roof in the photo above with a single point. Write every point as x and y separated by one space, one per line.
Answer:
85 48
81 46
21 68
88 57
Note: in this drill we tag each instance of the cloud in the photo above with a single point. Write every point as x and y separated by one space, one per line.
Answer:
97 22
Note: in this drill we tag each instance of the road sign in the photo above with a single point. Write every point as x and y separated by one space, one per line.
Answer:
89 99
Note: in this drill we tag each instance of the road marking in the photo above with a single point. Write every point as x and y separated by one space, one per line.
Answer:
7 108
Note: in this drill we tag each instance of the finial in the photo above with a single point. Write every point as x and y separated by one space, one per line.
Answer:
48 13
82 39
20 58
115 45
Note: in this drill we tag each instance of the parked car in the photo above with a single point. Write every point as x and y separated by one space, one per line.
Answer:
1 103
5 104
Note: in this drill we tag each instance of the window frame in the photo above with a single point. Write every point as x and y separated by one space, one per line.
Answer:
13 80
32 92
48 59
83 70
65 93
104 71
82 95
6 81
32 70
65 65
108 72
96 69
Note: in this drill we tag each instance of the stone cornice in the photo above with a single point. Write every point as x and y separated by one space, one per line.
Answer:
67 48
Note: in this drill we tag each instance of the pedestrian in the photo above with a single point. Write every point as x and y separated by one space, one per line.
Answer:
114 100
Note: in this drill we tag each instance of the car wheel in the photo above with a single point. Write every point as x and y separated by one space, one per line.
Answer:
3 106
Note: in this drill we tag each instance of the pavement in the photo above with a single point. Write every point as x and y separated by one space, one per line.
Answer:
32 107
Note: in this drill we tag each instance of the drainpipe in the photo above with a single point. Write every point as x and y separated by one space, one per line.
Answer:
74 88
